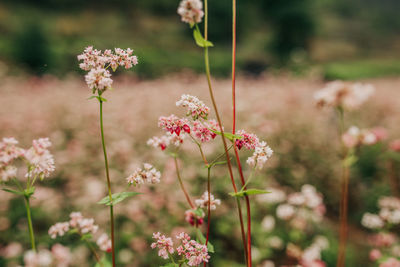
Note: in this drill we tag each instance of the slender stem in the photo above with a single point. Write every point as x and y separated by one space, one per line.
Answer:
343 200
200 148
108 183
207 68
28 214
233 66
208 207
181 184
220 156
90 246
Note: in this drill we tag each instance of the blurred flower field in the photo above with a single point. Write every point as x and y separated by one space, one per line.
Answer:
298 219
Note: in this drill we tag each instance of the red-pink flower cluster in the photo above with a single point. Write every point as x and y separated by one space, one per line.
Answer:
202 130
173 124
166 140
193 217
248 140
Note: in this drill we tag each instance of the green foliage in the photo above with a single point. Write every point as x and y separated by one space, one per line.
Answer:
117 198
249 192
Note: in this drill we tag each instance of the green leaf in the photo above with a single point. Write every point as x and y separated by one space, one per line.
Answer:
200 41
350 160
13 191
170 265
249 192
199 212
104 262
117 197
202 239
230 136
86 237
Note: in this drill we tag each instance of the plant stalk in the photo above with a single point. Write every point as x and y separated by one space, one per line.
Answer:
30 227
108 184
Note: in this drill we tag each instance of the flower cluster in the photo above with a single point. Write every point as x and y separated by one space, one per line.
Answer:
59 256
195 108
173 124
311 256
203 131
386 247
97 62
356 137
191 11
203 202
166 140
38 158
248 140
194 217
148 174
104 243
260 156
164 244
347 96
192 252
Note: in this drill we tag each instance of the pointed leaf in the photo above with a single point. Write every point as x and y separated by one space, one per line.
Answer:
117 197
202 239
200 41
249 192
13 191
230 136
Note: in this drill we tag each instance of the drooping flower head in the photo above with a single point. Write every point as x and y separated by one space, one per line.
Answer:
248 140
260 156
340 94
148 174
173 124
164 245
203 202
195 108
191 11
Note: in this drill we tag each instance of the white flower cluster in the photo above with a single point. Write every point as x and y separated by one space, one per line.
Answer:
260 156
389 214
195 107
191 11
166 140
355 137
203 202
59 256
340 94
148 174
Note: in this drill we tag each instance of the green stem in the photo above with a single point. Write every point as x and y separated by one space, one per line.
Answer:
28 214
90 246
181 183
108 182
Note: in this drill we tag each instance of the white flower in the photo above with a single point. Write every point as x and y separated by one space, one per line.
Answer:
275 242
148 174
285 211
260 156
104 243
203 202
191 11
98 79
372 221
274 196
268 223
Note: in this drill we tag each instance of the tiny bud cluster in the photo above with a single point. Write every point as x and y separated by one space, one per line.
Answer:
148 174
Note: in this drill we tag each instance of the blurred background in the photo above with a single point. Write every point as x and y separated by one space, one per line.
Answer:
333 37
287 49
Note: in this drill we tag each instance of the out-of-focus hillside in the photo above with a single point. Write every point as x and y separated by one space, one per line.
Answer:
333 37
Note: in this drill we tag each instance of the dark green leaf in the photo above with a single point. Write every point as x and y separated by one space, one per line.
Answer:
249 192
117 197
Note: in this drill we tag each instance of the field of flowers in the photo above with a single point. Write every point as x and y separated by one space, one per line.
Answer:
296 221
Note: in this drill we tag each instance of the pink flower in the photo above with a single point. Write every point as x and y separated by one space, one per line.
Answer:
248 140
87 225
203 202
9 151
59 229
173 124
382 239
104 243
148 174
201 130
7 172
391 262
192 218
40 159
164 245
191 11
375 254
356 137
61 255
76 217
166 140
395 145
380 133
194 252
195 108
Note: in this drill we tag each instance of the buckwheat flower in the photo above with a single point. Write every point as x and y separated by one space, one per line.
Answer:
148 174
40 159
124 58
194 252
75 218
390 262
382 239
203 202
194 218
92 58
87 225
339 94
173 124
248 140
395 145
98 79
195 108
201 130
7 173
356 137
296 199
9 151
43 258
313 199
268 223
104 243
61 255
59 229
285 211
164 245
191 11
372 221
260 156
164 141
375 254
